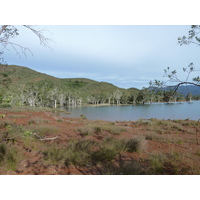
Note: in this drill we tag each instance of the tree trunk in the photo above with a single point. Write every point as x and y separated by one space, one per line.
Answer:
55 103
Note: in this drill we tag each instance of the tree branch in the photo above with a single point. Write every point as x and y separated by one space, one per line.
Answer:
43 40
8 31
42 138
3 28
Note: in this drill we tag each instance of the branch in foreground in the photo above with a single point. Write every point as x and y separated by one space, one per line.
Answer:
42 138
7 32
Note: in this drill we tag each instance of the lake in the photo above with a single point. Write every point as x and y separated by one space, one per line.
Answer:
184 110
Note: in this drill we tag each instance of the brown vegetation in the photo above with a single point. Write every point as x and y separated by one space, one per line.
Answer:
80 146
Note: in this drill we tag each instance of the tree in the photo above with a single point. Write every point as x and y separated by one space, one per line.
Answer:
192 38
53 95
143 96
32 92
22 94
117 95
61 97
8 32
188 97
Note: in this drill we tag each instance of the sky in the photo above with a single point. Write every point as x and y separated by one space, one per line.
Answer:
124 55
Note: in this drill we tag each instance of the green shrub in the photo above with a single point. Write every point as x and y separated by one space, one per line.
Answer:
2 152
97 129
17 116
2 115
5 123
79 153
9 156
135 144
130 168
115 130
54 154
38 121
90 130
84 131
103 155
75 153
44 129
83 116
156 164
108 150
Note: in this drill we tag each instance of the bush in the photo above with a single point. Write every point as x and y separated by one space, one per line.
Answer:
130 168
103 155
135 144
108 150
9 156
54 154
2 152
75 153
115 130
86 131
78 153
42 129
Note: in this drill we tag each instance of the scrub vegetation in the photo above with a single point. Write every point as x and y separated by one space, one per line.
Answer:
36 142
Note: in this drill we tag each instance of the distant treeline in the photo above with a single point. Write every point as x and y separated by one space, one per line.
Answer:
23 86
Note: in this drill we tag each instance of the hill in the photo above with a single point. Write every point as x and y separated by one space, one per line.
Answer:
22 75
18 80
193 89
184 89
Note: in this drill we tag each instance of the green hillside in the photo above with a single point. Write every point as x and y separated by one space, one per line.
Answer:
23 75
24 84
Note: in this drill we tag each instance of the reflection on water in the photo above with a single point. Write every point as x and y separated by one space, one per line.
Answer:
185 110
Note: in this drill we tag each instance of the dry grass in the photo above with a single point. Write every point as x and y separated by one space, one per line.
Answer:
93 129
142 147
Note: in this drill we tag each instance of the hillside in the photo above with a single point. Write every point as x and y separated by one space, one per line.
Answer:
16 78
22 75
184 90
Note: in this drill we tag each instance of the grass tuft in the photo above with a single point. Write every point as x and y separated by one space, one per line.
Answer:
135 144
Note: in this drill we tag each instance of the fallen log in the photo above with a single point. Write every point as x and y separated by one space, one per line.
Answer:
43 138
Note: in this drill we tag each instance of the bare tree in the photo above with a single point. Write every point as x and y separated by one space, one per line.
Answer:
8 32
61 97
53 95
172 75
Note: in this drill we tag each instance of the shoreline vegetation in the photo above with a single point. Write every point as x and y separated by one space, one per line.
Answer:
21 86
36 141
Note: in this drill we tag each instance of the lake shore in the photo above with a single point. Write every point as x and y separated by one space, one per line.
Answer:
172 110
36 141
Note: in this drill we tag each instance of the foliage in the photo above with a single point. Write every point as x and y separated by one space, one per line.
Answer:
32 88
28 87
135 144
192 37
8 32
172 75
9 156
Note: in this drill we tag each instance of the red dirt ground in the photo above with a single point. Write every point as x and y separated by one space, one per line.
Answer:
180 141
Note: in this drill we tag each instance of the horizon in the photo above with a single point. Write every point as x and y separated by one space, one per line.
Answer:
184 85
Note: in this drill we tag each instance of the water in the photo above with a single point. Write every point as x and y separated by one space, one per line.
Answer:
185 110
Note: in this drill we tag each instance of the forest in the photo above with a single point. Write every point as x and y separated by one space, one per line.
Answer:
23 86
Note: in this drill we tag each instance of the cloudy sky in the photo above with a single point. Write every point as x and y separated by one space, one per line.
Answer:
124 55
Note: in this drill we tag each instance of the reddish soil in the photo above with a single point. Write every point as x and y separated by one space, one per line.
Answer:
181 142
